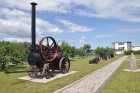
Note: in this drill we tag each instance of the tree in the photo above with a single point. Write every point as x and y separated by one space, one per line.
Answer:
98 50
65 48
72 51
12 52
107 49
5 54
81 52
86 47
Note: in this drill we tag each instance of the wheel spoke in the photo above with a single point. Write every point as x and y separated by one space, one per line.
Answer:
51 45
46 52
67 69
47 42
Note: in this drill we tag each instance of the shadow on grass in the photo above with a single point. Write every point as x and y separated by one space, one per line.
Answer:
19 82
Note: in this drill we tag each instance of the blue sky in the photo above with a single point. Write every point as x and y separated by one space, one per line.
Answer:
78 22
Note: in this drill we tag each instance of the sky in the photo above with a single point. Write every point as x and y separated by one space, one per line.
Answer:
78 22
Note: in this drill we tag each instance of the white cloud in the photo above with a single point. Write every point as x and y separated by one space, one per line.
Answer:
14 28
17 39
12 12
82 40
126 10
129 30
46 26
72 27
59 6
104 35
17 23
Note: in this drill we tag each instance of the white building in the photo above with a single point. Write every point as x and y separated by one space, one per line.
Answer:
135 48
119 47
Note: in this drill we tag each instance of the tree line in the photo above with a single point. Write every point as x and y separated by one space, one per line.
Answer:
99 50
72 51
16 52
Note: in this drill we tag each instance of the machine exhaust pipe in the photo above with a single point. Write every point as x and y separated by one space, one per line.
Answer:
33 57
33 27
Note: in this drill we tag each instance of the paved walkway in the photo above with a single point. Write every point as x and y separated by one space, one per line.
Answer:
93 82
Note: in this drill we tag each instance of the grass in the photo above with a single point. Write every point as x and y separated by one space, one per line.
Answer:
123 82
137 57
9 83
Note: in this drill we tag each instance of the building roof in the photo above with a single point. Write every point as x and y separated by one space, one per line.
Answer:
122 42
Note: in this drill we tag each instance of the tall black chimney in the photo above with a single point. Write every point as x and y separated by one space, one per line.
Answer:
33 27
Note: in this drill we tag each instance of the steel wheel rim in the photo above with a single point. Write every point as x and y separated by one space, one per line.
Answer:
64 65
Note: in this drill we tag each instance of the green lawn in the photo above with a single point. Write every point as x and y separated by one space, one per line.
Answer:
9 83
123 82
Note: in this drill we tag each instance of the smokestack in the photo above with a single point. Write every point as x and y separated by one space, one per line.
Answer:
33 27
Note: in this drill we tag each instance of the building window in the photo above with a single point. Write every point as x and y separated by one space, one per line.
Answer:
120 43
121 48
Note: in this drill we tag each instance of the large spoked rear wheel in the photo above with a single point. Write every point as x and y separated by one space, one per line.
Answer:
48 49
48 71
64 65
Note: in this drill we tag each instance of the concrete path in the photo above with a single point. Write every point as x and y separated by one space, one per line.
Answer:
93 82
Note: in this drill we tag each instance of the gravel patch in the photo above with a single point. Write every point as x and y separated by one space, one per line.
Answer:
42 79
128 70
93 82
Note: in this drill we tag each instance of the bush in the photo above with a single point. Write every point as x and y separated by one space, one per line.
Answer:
128 52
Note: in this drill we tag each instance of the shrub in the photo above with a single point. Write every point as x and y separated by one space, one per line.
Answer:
128 52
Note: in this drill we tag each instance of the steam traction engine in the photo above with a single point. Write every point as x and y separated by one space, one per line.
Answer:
46 57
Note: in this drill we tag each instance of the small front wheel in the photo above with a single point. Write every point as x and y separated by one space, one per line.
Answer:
48 71
64 65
